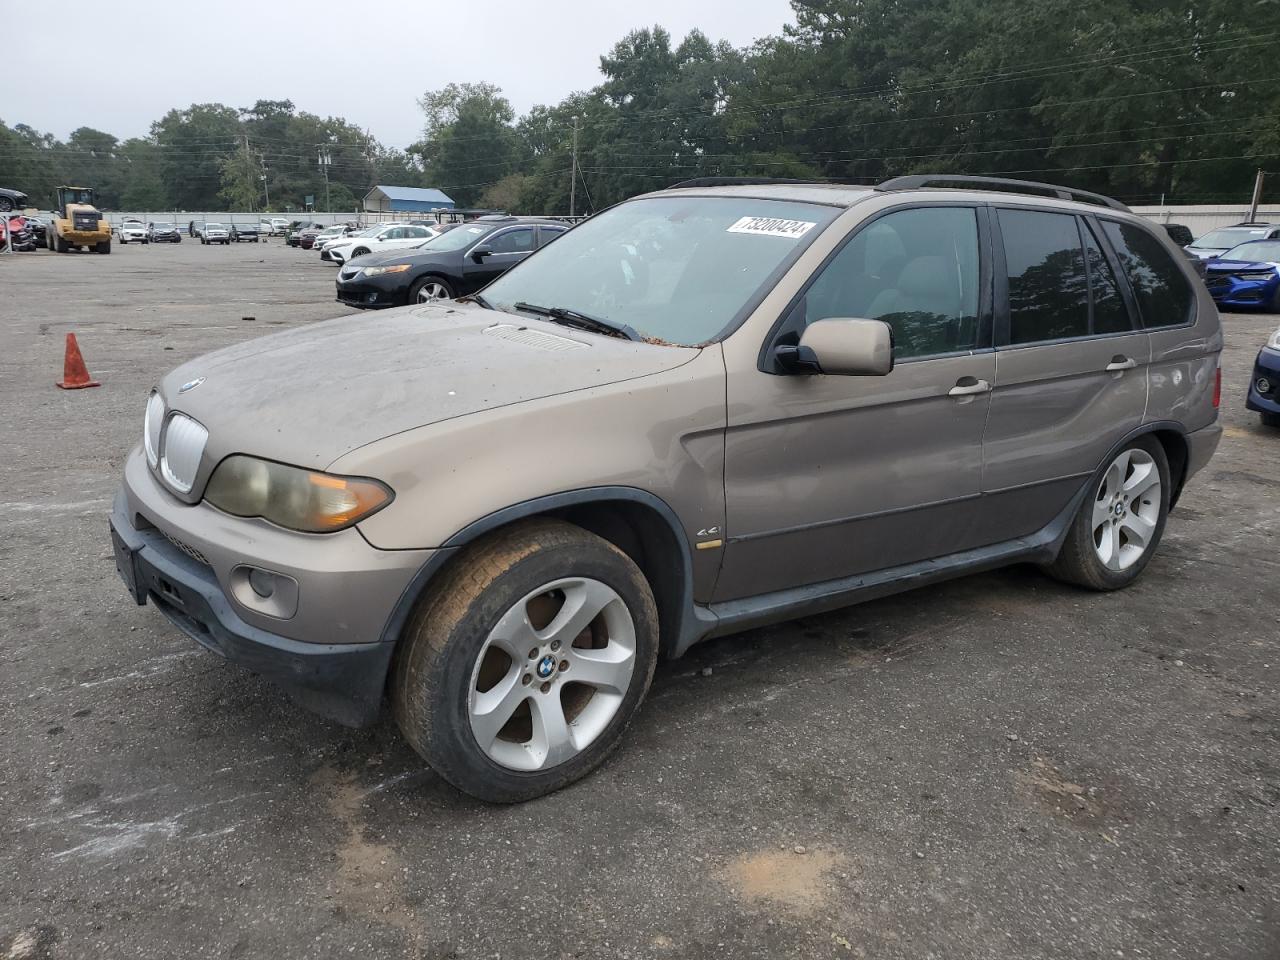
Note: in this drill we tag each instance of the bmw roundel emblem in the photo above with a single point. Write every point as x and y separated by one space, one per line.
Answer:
191 384
546 667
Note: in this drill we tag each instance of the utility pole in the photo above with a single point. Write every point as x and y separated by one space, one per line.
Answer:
573 171
325 160
1257 197
262 162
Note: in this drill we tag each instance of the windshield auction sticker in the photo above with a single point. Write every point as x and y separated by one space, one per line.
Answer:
772 227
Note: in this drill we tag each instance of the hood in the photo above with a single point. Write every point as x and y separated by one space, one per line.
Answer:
1216 265
309 396
385 257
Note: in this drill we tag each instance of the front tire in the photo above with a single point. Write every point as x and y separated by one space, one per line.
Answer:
103 247
359 253
429 289
1121 521
1271 420
523 664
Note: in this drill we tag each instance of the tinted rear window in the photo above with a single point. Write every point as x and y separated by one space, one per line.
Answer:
1165 298
1048 289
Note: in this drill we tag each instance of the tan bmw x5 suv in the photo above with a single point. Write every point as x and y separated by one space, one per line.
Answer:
704 409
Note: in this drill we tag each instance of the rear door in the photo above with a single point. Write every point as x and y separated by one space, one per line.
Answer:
1071 366
1184 363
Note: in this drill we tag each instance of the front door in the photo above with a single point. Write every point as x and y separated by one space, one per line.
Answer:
831 476
507 248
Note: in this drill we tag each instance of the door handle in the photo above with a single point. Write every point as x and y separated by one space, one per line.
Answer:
1121 362
968 386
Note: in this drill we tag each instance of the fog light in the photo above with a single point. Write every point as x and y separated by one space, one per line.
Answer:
1263 385
263 583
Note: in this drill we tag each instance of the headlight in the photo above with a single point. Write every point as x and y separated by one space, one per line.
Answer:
1274 341
379 271
1258 275
151 427
292 497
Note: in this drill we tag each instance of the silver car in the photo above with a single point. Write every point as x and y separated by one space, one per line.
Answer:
705 409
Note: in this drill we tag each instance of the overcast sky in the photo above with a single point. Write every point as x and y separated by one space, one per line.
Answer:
366 62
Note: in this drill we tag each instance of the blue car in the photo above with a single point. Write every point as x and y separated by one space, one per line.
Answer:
1264 388
1247 275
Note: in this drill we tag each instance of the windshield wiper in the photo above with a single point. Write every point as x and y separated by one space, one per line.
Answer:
476 298
583 321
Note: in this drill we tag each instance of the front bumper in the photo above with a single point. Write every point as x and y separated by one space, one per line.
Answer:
1231 291
331 654
1267 368
369 294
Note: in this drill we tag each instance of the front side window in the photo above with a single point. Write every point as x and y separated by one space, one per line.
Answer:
917 270
1048 289
1164 296
513 241
676 268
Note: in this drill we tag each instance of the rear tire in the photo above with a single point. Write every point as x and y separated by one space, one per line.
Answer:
103 247
506 726
1121 520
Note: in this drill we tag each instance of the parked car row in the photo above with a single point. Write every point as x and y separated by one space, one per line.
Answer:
1241 265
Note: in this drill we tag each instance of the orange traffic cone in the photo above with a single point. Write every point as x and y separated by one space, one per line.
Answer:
75 376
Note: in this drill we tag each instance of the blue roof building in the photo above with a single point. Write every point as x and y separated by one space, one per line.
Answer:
385 199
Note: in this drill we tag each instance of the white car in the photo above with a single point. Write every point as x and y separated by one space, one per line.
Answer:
215 233
331 235
133 230
387 236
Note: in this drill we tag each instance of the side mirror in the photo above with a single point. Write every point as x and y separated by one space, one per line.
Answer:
480 252
847 347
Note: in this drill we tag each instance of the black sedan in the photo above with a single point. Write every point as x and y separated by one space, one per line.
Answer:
450 265
244 233
163 233
11 199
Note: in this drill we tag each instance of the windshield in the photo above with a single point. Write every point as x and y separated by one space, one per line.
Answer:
214 226
163 226
678 269
459 238
1266 251
1230 237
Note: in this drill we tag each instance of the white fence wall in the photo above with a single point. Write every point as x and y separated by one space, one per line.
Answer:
1201 218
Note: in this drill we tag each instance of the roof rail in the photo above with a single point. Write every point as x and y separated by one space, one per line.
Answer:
916 181
734 182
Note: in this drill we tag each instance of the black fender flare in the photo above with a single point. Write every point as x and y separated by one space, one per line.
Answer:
688 626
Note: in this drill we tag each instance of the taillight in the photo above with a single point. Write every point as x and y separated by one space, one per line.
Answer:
1217 387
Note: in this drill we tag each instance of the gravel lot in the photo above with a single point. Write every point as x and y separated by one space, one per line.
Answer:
1001 767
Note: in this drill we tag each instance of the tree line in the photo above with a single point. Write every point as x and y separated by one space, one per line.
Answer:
1138 99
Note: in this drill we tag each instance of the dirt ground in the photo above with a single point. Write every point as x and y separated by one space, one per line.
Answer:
1000 767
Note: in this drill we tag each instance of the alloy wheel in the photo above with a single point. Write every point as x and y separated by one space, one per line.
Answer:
433 291
552 674
1126 509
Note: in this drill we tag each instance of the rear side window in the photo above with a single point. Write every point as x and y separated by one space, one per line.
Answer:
1109 312
1048 289
1164 296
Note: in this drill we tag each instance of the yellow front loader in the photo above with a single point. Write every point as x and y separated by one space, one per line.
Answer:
78 223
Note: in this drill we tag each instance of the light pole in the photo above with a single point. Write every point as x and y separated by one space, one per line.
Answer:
573 170
325 160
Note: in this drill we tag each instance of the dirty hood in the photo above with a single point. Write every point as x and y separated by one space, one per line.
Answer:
310 395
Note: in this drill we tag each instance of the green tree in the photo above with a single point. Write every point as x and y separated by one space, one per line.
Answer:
468 141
